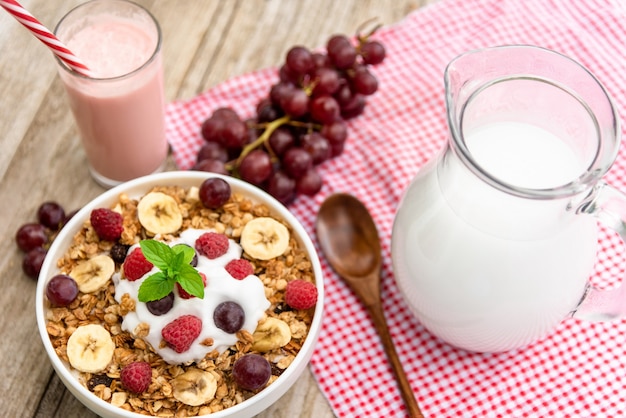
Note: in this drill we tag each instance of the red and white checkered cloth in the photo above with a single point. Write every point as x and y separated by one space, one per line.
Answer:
577 371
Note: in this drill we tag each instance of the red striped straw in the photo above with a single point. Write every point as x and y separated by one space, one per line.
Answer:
45 36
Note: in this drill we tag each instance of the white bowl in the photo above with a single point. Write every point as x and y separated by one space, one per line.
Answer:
137 188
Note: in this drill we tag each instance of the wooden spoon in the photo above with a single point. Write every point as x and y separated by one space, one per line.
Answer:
349 239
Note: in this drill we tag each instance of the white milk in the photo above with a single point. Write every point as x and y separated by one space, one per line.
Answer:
493 272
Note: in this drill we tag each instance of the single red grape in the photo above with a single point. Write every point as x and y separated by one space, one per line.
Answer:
212 151
282 187
353 108
326 81
325 109
229 317
214 192
211 129
296 162
266 111
343 56
279 91
281 140
336 42
363 81
256 167
295 102
373 52
61 290
335 132
234 134
32 262
299 60
310 183
251 371
51 215
31 235
161 306
343 95
316 145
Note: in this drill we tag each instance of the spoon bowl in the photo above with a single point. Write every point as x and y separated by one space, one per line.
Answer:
349 239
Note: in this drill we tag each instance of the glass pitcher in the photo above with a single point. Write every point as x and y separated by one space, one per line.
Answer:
492 243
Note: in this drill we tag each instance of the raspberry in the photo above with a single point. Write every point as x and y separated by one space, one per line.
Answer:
181 332
212 244
301 294
136 265
183 294
137 376
239 268
108 224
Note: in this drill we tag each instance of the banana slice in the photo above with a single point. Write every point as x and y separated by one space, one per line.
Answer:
90 275
90 348
264 238
159 213
270 334
194 387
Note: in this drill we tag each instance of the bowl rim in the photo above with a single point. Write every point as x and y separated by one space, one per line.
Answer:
250 406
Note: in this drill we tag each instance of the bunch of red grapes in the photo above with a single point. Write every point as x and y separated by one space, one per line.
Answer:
300 124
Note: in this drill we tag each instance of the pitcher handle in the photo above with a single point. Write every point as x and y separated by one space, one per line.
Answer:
608 205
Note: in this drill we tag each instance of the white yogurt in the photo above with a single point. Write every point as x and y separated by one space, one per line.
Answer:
249 293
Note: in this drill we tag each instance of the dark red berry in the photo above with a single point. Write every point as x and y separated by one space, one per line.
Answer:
214 192
108 224
136 265
182 332
137 376
161 306
51 215
229 317
212 244
118 252
239 268
32 262
61 290
300 294
31 235
252 372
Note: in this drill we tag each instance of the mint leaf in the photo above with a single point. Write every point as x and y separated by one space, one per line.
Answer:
191 281
155 287
157 253
174 265
187 250
178 261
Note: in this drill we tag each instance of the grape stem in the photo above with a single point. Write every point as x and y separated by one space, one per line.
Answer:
363 38
307 125
269 129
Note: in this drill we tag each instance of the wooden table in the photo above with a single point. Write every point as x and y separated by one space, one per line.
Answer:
205 43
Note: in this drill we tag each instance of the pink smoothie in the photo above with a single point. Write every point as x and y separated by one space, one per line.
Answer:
119 113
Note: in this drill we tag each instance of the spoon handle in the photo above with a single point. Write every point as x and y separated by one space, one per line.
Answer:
378 317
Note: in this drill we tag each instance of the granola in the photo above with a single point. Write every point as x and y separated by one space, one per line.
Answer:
101 307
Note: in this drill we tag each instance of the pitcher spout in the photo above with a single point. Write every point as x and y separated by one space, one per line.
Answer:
521 86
